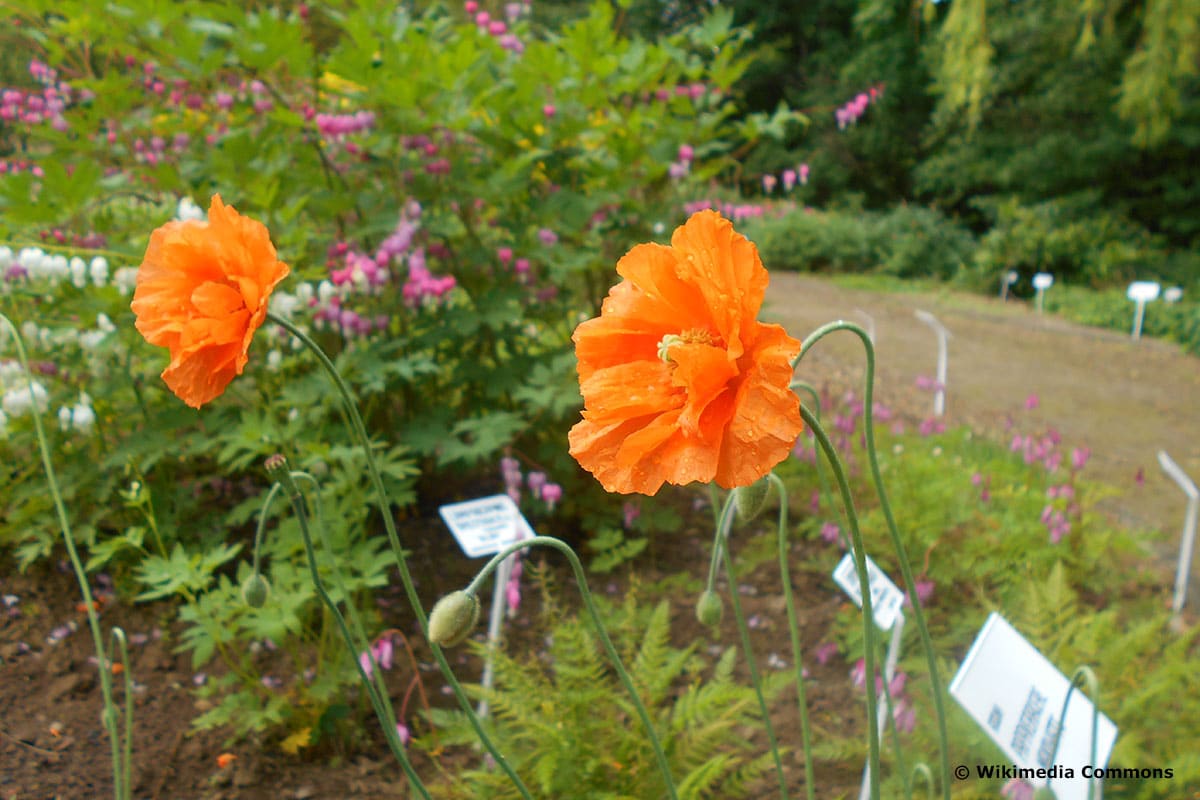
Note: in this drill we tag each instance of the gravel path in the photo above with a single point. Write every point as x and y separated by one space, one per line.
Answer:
1125 400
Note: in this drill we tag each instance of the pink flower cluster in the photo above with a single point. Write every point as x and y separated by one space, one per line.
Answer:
1062 505
422 288
853 110
928 384
498 28
537 482
734 211
902 708
17 167
787 179
693 91
382 650
339 126
679 169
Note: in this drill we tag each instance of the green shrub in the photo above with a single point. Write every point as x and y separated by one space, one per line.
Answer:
1085 248
1178 322
919 242
908 242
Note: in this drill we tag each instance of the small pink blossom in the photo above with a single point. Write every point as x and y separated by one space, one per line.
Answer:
1031 402
824 652
1079 457
858 675
1017 789
630 512
403 732
551 494
831 533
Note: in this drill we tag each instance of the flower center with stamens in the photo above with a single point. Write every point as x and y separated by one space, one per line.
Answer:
693 336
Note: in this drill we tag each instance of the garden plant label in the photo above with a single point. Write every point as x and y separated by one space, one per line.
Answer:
886 599
1017 696
485 525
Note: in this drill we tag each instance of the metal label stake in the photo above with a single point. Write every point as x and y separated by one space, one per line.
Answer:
939 397
1188 537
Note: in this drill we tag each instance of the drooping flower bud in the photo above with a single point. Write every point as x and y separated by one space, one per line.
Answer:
255 591
750 500
453 618
709 608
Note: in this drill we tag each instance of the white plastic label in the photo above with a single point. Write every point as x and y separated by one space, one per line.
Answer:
886 599
486 525
1043 280
1016 695
1142 291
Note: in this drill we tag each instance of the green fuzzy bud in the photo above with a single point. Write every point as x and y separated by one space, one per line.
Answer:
750 500
709 608
1044 793
453 618
255 591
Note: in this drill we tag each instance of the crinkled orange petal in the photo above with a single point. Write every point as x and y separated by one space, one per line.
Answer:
725 267
704 372
766 420
202 292
629 390
680 381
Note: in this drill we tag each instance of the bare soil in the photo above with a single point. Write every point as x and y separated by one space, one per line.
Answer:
1125 400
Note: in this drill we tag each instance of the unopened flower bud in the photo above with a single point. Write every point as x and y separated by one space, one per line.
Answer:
750 500
453 618
255 591
709 608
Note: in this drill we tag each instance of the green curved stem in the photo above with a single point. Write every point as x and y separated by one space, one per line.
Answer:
723 528
822 482
262 523
910 586
926 774
359 431
860 567
363 642
890 716
118 635
378 701
586 594
1081 676
110 713
794 632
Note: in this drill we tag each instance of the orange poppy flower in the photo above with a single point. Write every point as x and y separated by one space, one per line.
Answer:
202 292
680 380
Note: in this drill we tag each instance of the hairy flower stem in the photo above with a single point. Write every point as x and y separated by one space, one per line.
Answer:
1082 676
121 791
723 527
118 636
586 593
358 429
794 632
816 398
910 586
379 700
860 567
362 644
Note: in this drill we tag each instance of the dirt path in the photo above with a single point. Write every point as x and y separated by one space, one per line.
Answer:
1125 400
